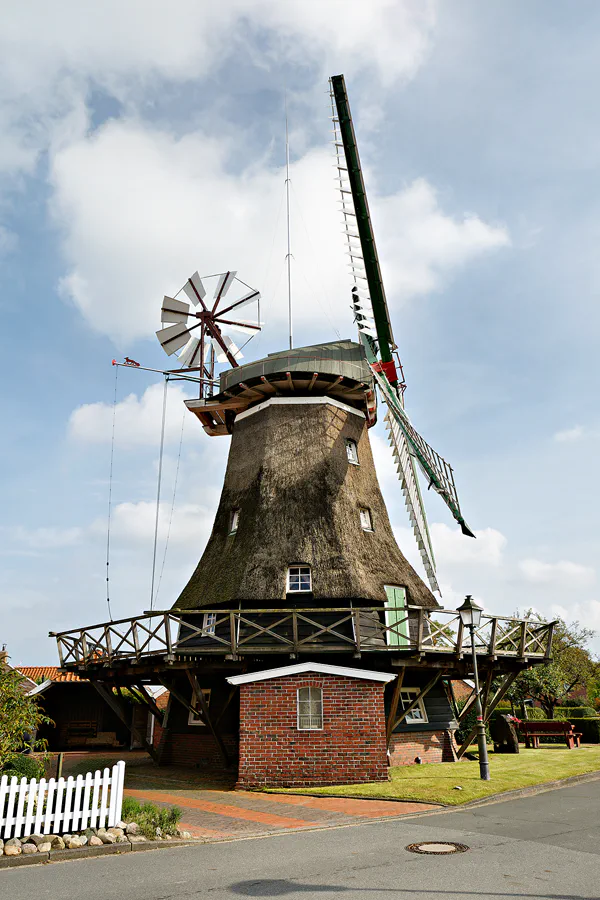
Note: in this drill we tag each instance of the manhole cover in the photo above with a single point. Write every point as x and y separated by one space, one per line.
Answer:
439 848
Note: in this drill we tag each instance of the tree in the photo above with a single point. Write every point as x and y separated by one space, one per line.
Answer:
572 666
20 715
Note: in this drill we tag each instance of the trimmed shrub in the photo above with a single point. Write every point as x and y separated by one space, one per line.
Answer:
534 714
570 712
23 767
589 728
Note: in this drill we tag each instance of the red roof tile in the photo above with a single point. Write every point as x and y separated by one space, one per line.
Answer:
48 673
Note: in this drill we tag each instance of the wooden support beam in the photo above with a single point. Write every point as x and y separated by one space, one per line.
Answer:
486 690
312 381
510 678
419 697
270 385
225 706
290 383
394 706
206 715
150 703
447 682
118 708
334 383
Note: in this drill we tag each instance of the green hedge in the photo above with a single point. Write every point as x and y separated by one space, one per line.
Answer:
572 712
534 714
589 728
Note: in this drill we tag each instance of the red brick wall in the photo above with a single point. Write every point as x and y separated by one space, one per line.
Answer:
350 748
196 751
430 746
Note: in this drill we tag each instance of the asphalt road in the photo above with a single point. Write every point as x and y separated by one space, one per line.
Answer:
546 846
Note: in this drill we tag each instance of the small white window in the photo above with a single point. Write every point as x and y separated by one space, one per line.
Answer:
209 621
365 520
299 579
193 719
235 520
417 715
310 709
352 451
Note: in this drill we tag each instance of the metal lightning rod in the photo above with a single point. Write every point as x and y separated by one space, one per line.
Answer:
287 197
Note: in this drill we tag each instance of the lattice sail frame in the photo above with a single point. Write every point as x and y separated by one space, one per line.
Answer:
375 332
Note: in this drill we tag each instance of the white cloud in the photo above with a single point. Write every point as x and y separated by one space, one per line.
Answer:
46 68
452 548
562 572
570 435
50 538
133 524
8 241
137 419
140 210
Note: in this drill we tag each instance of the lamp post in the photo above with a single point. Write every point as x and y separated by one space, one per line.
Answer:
470 616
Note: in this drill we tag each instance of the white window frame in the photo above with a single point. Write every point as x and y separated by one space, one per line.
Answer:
310 727
407 695
299 571
352 452
366 520
209 623
197 720
234 521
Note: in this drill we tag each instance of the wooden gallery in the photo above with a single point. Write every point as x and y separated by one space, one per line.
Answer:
305 649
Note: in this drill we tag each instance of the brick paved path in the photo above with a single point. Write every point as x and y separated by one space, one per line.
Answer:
217 815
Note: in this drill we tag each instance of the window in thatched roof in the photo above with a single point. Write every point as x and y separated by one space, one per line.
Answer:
299 579
366 523
234 522
352 451
310 709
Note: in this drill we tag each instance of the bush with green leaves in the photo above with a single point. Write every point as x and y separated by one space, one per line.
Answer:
574 712
24 767
149 817
588 728
20 715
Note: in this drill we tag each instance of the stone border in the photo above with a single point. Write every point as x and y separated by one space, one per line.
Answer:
127 846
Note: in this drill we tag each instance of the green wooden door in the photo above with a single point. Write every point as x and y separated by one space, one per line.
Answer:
396 616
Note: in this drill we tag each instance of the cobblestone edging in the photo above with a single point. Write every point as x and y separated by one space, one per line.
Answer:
127 846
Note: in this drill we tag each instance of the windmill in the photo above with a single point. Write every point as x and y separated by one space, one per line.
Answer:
214 318
376 335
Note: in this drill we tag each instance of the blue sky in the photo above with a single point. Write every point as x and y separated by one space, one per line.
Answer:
145 142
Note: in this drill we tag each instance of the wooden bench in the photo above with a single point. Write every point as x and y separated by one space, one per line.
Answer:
533 731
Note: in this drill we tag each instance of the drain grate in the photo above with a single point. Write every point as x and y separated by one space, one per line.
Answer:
437 848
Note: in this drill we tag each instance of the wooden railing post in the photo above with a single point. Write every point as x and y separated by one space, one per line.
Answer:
523 639
108 642
233 633
356 617
550 635
459 637
492 644
420 625
167 627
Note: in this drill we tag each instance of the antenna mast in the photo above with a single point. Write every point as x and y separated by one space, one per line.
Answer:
287 197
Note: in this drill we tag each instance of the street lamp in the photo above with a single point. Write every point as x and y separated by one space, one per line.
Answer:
470 616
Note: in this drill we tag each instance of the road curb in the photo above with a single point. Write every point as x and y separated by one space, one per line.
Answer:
54 856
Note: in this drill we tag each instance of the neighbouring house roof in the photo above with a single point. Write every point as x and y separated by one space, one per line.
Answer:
28 684
321 668
48 673
162 700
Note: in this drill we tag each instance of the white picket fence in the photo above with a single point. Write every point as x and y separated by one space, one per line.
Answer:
61 806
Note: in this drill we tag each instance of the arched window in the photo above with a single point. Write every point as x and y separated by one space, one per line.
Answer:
299 579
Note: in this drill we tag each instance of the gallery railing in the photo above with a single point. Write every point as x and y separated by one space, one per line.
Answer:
233 633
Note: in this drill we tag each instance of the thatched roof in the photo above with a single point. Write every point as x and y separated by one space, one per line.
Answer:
299 500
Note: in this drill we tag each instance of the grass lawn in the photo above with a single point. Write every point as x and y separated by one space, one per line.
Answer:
435 783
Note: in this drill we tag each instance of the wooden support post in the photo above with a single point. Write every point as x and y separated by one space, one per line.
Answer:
419 697
110 699
206 715
312 380
486 690
150 703
447 682
486 716
230 697
394 706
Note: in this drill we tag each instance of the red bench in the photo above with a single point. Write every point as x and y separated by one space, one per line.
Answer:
533 731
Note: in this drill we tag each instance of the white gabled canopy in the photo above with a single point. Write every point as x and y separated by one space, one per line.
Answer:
320 668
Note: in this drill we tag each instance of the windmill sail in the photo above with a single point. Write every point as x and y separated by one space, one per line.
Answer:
375 329
405 466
